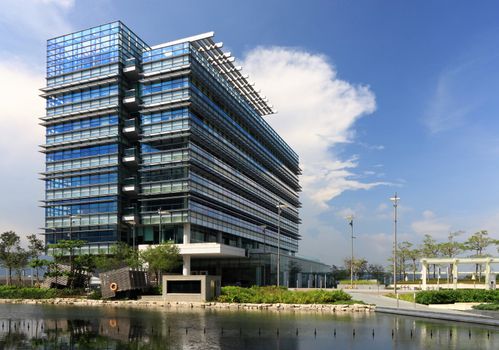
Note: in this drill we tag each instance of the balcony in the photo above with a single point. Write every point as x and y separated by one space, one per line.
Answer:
131 129
131 70
130 215
131 100
130 156
130 185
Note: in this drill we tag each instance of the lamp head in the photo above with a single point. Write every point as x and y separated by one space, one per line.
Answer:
395 199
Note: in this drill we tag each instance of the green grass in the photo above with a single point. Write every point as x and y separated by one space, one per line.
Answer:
402 296
360 282
488 307
271 295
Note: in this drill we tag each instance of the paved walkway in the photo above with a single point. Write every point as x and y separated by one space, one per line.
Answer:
401 307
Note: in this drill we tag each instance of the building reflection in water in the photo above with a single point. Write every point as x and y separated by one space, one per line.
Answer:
177 329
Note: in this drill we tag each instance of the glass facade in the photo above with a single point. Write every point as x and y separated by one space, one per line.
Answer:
144 143
84 139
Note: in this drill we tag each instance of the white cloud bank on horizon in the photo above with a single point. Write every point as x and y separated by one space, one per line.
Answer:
20 162
316 111
30 23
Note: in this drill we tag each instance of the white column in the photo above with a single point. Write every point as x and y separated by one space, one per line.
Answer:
219 237
487 274
187 235
424 271
186 269
455 273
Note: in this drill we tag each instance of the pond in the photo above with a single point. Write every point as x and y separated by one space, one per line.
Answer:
72 327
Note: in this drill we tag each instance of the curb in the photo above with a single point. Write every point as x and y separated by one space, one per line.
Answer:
484 320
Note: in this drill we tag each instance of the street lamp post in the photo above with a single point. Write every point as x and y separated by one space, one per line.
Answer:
264 228
133 235
395 199
279 211
71 218
161 212
350 222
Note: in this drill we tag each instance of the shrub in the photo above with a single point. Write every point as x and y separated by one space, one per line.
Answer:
447 296
273 294
95 295
489 307
13 292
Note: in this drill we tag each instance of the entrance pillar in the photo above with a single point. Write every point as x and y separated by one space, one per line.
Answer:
187 235
186 269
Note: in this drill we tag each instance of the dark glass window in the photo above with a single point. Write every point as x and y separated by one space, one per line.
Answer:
188 287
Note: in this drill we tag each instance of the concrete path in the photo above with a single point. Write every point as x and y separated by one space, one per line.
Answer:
400 307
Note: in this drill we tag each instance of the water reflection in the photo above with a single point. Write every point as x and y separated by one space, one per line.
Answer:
51 327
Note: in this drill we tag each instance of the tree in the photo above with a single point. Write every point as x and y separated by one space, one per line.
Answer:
339 273
9 246
64 250
451 248
377 271
19 259
161 258
359 266
54 269
477 243
85 264
121 255
36 247
38 264
414 254
404 250
430 249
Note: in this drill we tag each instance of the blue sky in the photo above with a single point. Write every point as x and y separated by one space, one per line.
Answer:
377 97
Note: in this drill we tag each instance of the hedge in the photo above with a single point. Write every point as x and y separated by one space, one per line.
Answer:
450 296
14 292
488 307
258 295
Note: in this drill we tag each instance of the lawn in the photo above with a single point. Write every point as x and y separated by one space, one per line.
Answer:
272 294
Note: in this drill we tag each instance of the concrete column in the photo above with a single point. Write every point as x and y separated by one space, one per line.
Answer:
424 271
299 279
187 236
487 275
186 269
455 273
239 242
219 237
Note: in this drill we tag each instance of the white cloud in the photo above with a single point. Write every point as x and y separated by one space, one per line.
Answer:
20 162
35 19
25 25
317 110
465 91
430 224
445 110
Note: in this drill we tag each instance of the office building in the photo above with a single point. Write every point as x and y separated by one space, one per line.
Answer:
148 144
